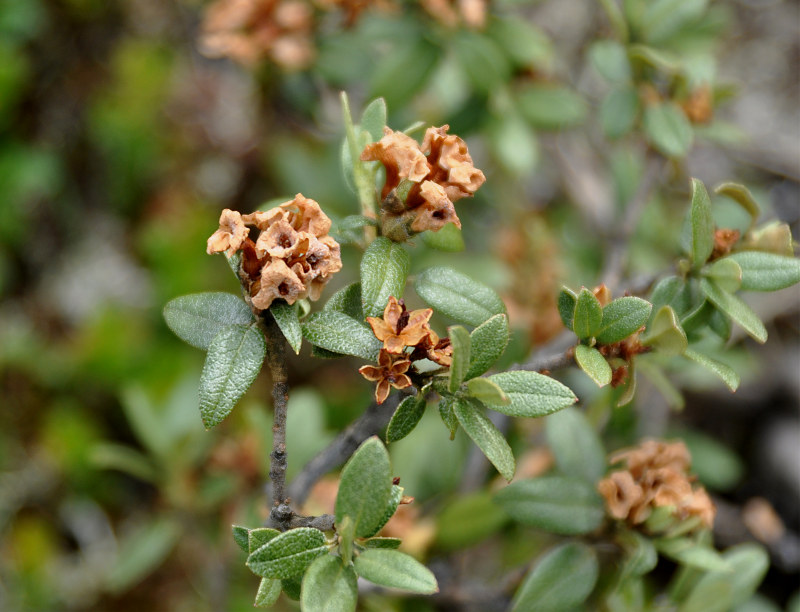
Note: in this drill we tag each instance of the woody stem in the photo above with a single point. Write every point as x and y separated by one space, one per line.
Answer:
281 513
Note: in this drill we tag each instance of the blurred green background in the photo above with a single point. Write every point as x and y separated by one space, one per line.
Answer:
119 146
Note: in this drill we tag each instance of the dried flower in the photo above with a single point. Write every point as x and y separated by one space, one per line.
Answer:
399 328
292 258
431 177
655 477
391 371
230 236
450 13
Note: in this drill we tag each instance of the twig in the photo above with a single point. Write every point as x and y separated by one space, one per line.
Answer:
555 355
276 361
619 241
337 452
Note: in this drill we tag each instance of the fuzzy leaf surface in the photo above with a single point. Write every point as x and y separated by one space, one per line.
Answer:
405 418
347 301
288 554
702 224
460 341
621 318
384 268
488 342
365 488
392 568
576 445
726 373
336 332
458 296
288 322
766 271
588 315
233 361
665 333
593 364
269 589
199 317
736 309
486 436
531 394
329 586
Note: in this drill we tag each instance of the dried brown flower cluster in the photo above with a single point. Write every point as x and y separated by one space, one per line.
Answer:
401 330
655 477
452 13
248 31
435 174
293 256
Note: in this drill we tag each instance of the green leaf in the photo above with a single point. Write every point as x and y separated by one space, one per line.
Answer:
576 445
523 42
742 196
668 129
458 296
558 504
665 333
716 465
395 497
200 317
481 60
288 554
365 488
384 268
329 586
748 564
241 536
269 590
256 538
394 569
736 309
347 301
460 341
588 315
373 119
551 107
618 111
141 552
691 553
488 341
401 73
728 376
233 361
567 300
561 580
292 586
513 143
336 332
405 418
726 273
532 394
621 318
666 292
447 412
640 554
467 520
487 437
288 322
111 456
381 542
766 271
448 239
591 361
610 60
487 391
702 225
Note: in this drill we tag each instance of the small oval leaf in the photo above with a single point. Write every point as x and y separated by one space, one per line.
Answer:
394 569
458 296
365 488
384 268
487 437
531 394
336 332
288 554
199 317
591 361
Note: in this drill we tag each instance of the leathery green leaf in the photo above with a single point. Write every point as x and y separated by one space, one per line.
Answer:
288 322
728 376
241 536
558 504
329 586
487 391
484 433
233 361
448 415
348 301
588 315
736 309
199 317
665 333
562 579
288 554
365 488
575 444
742 196
381 542
593 364
488 341
384 268
373 119
748 564
268 592
336 332
702 224
392 568
567 299
531 394
405 418
256 538
726 273
460 341
621 318
766 271
458 296
668 129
